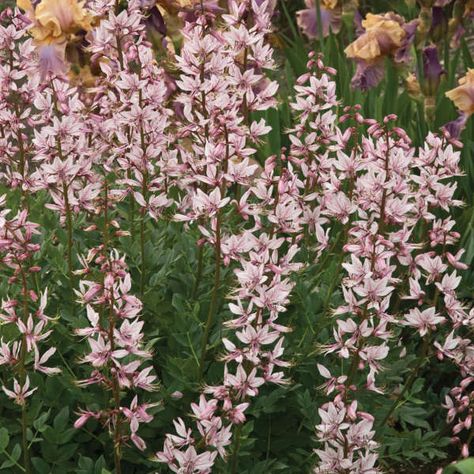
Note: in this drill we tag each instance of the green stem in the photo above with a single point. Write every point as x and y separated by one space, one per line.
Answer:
217 274
111 328
144 194
131 211
235 454
21 147
118 422
142 256
334 283
199 271
215 292
24 439
67 206
69 236
411 379
22 370
245 102
106 216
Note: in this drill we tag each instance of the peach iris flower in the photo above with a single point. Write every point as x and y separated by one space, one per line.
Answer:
463 95
383 35
55 20
55 24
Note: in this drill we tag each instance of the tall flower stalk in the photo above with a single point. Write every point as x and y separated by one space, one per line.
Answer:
115 338
23 355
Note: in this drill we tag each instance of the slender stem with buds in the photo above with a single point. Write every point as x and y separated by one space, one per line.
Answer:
117 434
67 208
111 326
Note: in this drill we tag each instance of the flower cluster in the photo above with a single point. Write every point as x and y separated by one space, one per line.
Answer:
18 83
17 250
115 338
385 196
223 83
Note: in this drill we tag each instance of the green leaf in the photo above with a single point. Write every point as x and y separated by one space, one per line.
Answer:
16 453
61 420
463 467
99 465
40 422
469 63
12 460
4 439
6 464
42 467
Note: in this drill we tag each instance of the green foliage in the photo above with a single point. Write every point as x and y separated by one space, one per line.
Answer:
462 467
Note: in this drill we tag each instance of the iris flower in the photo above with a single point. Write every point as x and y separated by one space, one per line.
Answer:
330 14
386 35
54 24
54 21
463 95
463 98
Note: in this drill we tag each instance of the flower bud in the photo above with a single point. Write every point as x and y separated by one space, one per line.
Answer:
412 86
425 21
468 422
432 71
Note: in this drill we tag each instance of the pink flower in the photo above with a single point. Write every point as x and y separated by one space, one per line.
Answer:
191 462
33 333
9 355
84 417
204 410
236 414
374 290
245 384
39 361
100 352
20 392
332 422
339 206
423 321
184 435
449 283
